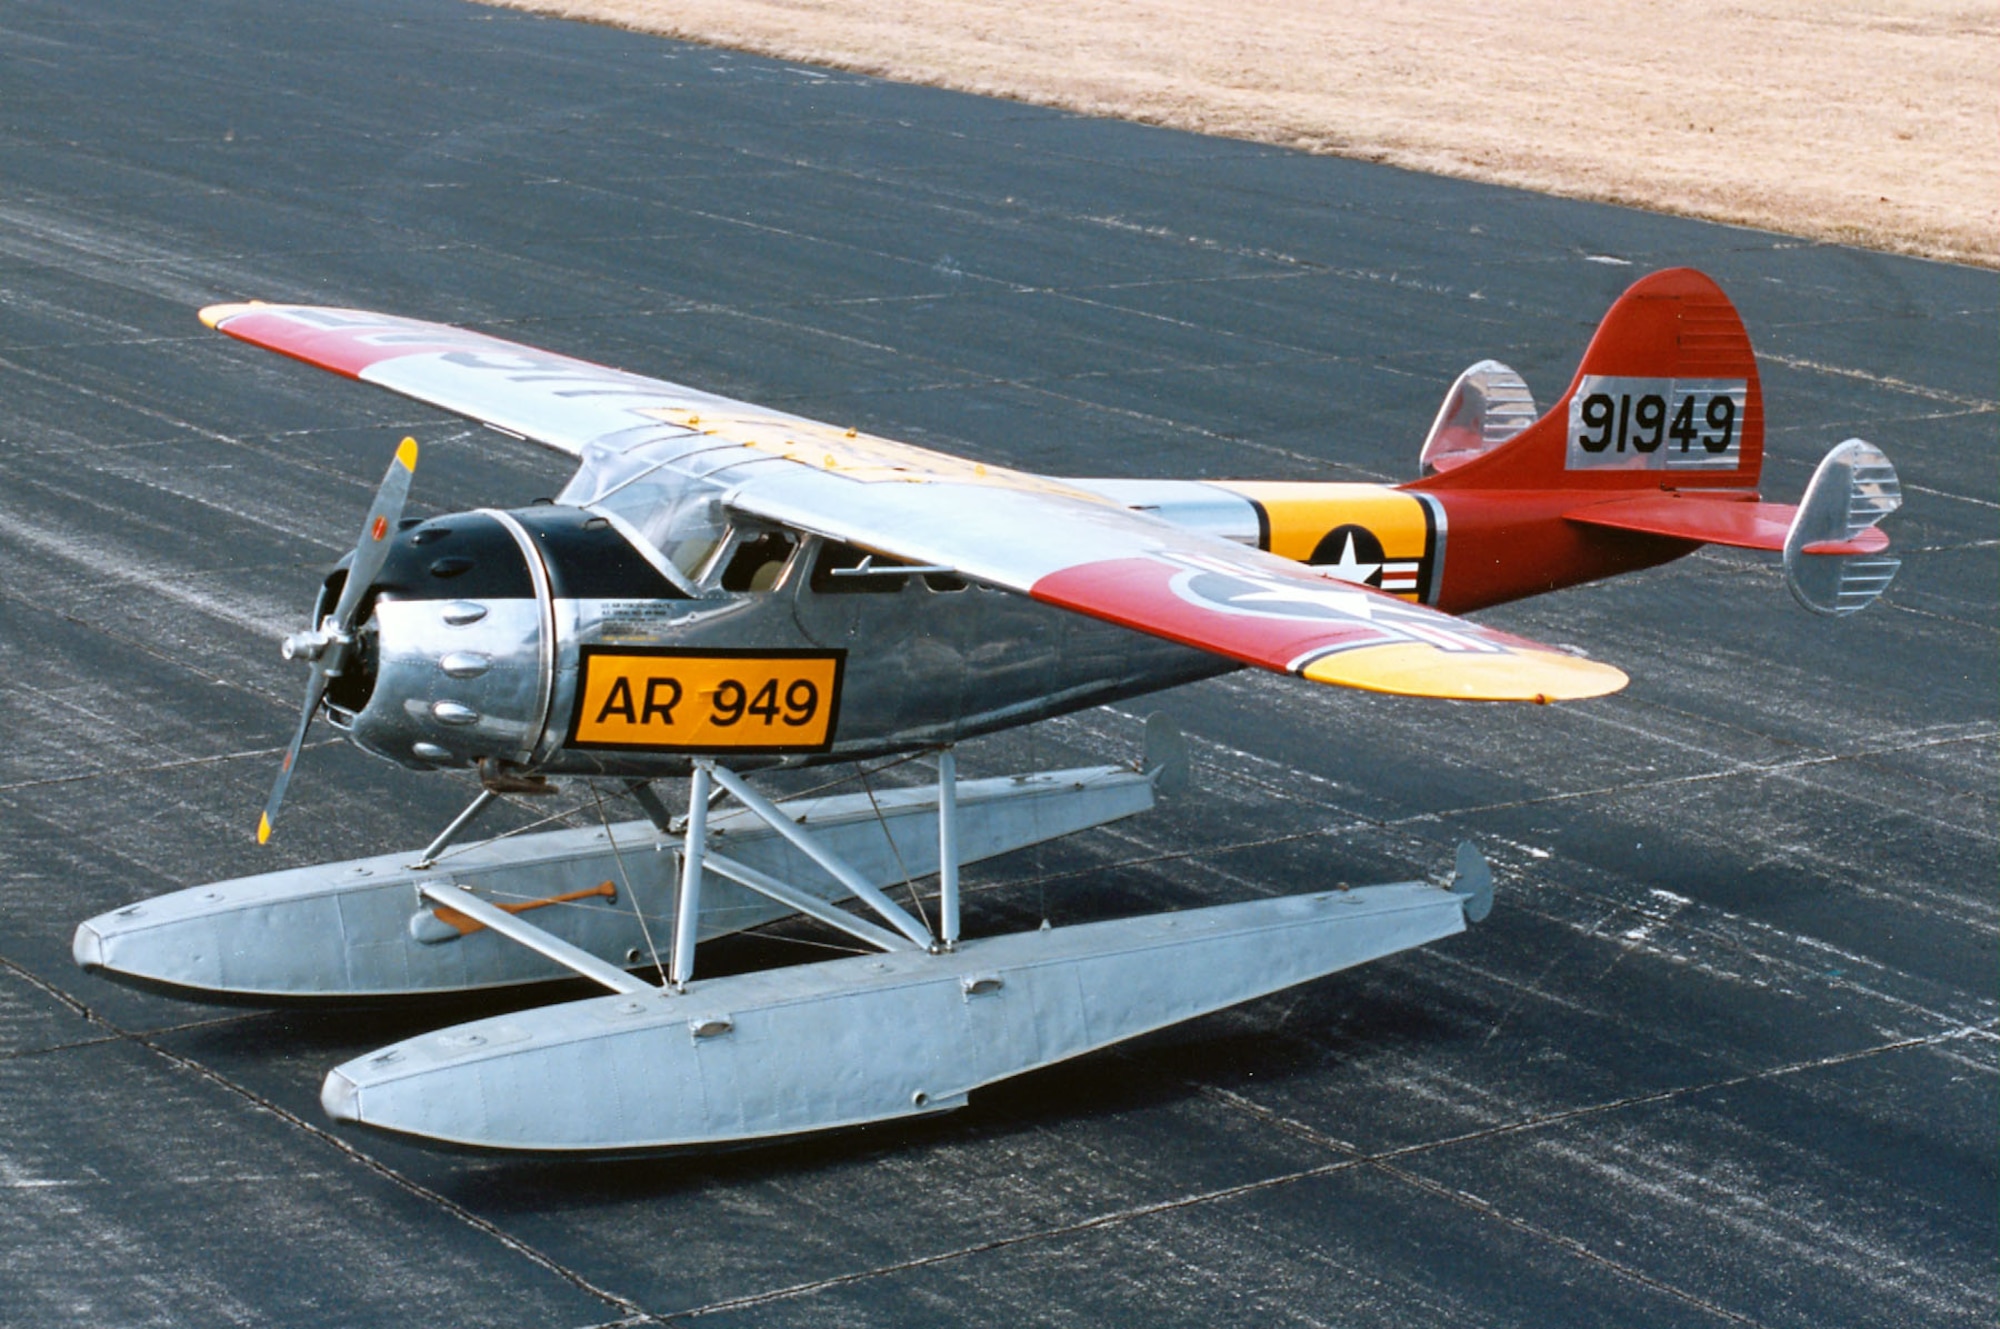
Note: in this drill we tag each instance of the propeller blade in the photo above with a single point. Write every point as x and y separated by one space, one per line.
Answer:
315 690
372 550
370 553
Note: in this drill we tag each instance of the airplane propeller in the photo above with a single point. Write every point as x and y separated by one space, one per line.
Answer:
328 645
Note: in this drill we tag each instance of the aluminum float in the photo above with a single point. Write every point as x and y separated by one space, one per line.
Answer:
390 926
689 1063
871 1038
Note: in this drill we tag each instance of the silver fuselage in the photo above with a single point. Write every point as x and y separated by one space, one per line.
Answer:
482 624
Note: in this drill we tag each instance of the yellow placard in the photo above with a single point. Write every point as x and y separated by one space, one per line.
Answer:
707 700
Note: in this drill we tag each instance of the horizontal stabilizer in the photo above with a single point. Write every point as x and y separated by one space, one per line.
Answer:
1715 521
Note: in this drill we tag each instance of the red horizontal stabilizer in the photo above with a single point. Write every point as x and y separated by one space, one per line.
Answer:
1716 521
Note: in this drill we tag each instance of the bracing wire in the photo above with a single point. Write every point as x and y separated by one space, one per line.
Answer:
916 896
638 911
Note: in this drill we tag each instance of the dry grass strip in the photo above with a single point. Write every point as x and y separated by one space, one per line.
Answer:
1873 122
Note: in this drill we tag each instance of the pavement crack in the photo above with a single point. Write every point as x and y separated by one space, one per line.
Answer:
1110 1219
1358 821
177 661
63 999
1909 488
22 1054
1385 1161
1785 766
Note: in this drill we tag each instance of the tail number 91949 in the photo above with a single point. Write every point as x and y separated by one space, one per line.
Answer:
706 700
1656 424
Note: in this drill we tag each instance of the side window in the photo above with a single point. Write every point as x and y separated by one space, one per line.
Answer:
837 572
758 561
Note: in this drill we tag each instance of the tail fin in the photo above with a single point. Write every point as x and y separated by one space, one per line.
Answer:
1666 398
1854 487
1489 406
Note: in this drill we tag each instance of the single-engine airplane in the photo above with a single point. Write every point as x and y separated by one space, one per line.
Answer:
723 589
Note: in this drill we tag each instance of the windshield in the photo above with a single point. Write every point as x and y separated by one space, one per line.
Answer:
663 492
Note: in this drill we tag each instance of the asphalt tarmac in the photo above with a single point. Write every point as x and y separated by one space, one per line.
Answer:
1724 1053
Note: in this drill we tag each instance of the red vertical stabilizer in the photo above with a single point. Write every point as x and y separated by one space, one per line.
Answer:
1666 398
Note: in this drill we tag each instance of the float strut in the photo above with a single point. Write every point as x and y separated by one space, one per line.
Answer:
458 825
768 813
947 849
527 934
649 803
811 905
687 911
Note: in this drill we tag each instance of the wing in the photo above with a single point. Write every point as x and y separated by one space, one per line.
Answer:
551 399
1093 557
1056 542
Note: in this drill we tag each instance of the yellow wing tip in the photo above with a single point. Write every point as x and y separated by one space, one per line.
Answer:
406 454
214 316
1412 669
263 828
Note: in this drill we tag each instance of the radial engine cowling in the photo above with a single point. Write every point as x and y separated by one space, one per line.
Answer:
454 659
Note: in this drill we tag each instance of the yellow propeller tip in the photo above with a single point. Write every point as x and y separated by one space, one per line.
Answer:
263 828
406 454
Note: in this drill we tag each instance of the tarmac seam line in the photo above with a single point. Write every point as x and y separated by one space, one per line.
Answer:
1385 1161
1358 821
1975 404
635 1313
156 768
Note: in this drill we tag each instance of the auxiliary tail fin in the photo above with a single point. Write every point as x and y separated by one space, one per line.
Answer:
1854 487
1666 398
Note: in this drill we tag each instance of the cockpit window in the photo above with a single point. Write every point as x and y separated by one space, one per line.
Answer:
845 570
690 553
758 561
665 500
